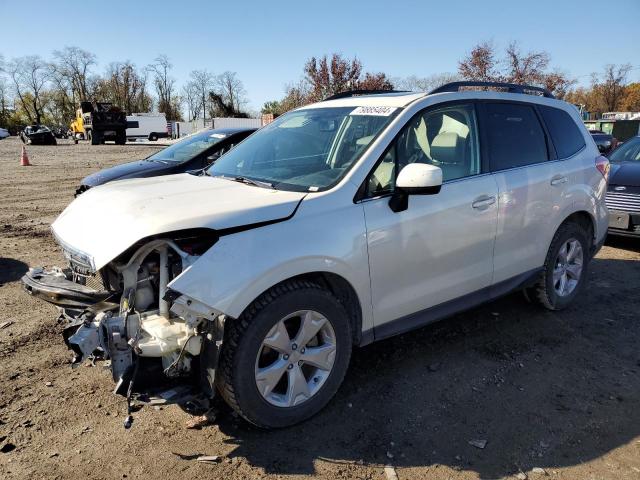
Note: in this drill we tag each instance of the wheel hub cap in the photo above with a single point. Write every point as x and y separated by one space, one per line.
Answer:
295 358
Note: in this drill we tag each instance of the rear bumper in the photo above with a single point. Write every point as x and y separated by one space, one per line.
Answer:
623 223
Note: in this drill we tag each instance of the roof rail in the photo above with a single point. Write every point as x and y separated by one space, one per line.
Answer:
358 93
509 87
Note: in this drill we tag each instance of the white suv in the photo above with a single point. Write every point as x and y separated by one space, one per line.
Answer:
341 223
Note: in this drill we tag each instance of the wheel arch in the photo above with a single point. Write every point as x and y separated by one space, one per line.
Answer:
339 287
586 220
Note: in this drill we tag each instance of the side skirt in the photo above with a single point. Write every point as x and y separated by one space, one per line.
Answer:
447 309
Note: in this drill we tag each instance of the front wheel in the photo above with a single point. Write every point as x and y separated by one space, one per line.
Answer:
565 269
285 357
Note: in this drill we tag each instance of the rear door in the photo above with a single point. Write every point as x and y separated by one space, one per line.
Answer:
531 185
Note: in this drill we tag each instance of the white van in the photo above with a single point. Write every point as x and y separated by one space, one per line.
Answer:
151 126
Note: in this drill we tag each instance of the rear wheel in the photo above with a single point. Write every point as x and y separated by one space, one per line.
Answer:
565 269
121 138
153 137
285 357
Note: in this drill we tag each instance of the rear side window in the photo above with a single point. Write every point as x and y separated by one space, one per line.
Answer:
514 135
564 132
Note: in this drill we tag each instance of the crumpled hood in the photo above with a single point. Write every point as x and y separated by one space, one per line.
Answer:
104 221
625 173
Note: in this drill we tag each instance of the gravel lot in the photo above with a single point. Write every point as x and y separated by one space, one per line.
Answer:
557 392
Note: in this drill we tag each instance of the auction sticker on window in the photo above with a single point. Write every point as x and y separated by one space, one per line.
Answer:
376 111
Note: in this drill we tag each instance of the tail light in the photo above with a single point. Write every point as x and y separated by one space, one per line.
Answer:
603 166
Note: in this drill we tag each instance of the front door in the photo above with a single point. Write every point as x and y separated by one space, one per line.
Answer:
441 247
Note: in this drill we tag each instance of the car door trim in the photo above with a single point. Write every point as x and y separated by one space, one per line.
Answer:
449 308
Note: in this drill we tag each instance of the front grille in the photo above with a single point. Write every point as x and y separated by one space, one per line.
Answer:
94 282
624 202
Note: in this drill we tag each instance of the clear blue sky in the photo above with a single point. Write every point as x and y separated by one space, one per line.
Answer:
267 42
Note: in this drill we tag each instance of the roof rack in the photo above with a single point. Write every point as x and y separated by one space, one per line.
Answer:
358 93
509 87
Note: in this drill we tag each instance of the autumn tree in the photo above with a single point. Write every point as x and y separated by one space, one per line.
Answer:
484 64
374 81
610 85
126 87
631 100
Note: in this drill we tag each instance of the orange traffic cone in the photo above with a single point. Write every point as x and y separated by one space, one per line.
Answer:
24 159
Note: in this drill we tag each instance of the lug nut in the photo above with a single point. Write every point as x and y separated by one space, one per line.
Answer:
294 346
286 357
299 363
290 366
302 350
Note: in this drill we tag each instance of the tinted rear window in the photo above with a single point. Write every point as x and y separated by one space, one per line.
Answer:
564 132
515 136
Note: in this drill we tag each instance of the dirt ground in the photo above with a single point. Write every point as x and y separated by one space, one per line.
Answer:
552 394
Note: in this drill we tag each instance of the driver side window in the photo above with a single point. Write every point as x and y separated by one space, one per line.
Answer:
446 137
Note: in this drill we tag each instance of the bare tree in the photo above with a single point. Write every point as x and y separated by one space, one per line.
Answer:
72 64
425 84
231 91
164 85
191 100
4 99
202 83
29 76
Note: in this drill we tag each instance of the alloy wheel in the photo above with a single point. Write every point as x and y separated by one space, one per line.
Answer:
295 358
568 267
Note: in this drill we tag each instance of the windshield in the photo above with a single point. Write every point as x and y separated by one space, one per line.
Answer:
627 152
305 150
190 147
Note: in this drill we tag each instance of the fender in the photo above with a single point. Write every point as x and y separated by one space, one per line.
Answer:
243 265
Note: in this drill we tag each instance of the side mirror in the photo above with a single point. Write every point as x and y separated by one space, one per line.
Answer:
415 179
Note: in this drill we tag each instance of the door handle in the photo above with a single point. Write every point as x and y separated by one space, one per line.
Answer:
558 180
483 202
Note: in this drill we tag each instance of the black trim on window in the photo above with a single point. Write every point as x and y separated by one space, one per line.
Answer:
485 147
361 193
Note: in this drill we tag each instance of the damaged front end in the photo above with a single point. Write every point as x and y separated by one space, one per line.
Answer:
163 346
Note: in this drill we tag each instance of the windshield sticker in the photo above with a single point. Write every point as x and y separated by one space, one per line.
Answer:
217 135
377 111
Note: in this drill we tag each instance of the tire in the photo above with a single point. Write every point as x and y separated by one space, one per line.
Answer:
121 139
153 137
95 138
547 290
237 372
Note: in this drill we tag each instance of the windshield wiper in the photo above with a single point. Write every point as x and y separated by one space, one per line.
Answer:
249 181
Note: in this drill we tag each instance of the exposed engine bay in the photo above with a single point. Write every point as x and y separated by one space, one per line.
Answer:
162 346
